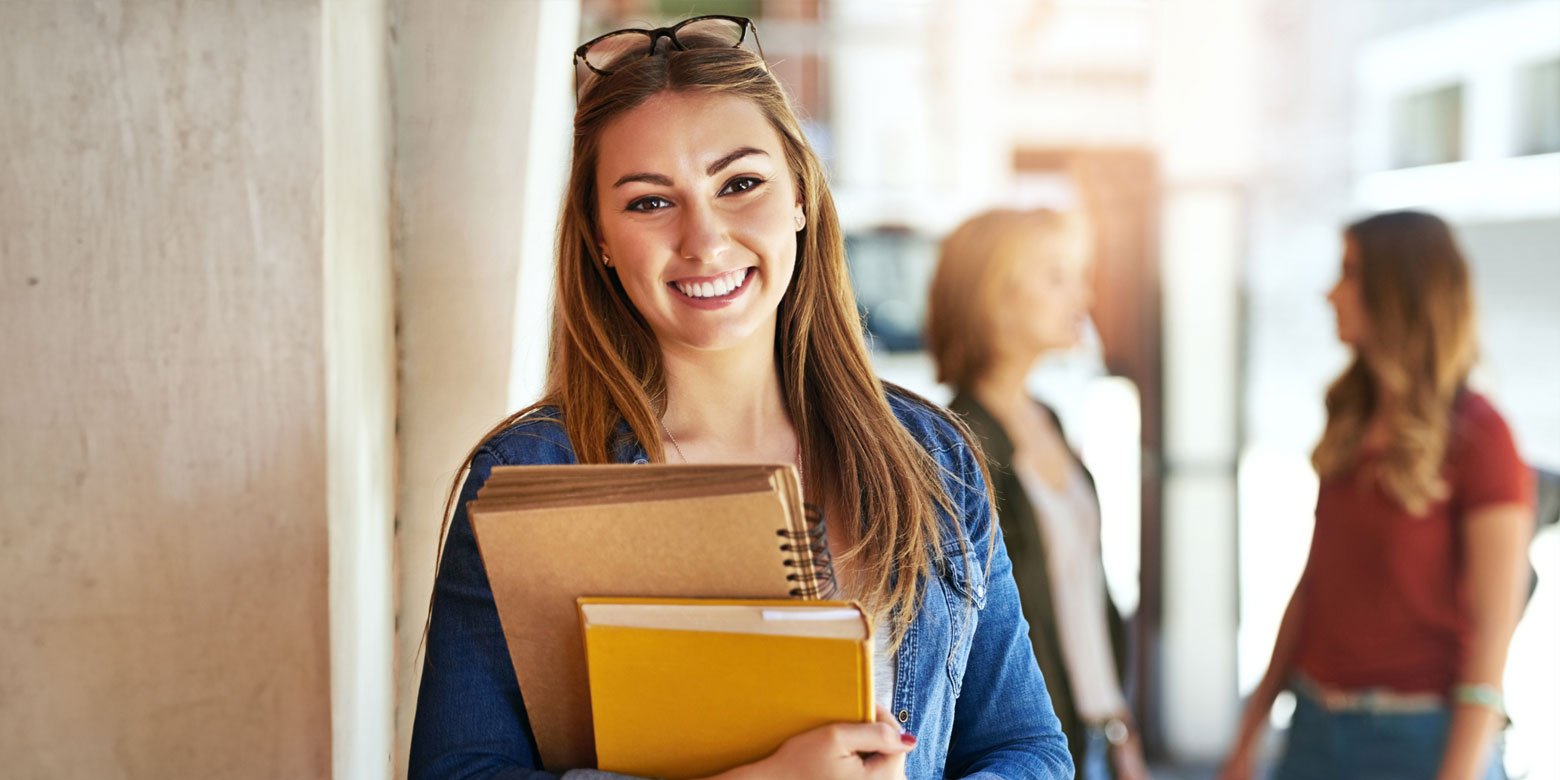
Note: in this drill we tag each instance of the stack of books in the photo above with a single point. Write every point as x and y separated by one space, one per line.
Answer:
669 620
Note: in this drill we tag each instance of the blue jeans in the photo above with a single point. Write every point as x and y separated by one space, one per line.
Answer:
1364 745
1096 756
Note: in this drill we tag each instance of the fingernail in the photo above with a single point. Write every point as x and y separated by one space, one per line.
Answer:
907 738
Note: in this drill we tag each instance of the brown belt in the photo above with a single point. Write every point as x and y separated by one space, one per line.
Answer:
1366 699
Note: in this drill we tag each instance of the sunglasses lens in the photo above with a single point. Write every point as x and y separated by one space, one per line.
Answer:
711 34
607 53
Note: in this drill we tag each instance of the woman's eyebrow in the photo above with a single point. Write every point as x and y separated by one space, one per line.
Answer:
648 178
715 167
718 165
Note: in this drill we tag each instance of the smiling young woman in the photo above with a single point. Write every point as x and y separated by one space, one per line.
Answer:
703 309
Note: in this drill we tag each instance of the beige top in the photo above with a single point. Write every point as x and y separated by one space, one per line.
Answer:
1069 520
884 669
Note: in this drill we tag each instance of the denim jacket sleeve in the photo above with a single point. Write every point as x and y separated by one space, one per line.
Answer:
471 721
1004 725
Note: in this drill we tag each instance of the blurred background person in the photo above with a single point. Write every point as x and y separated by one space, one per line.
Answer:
1395 639
1009 287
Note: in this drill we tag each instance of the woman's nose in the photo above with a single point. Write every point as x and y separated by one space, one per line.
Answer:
704 234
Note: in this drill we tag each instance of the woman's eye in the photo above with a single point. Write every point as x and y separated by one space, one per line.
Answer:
649 203
741 184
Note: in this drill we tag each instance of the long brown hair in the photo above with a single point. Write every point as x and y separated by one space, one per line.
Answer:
604 364
1421 345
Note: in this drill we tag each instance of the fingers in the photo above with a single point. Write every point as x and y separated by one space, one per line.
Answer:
877 737
884 766
1234 772
886 715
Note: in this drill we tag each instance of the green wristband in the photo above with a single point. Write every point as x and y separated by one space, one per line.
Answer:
1480 696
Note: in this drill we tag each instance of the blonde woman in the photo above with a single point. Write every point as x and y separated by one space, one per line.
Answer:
1395 639
1010 288
703 314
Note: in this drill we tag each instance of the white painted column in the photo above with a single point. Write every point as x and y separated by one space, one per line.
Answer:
360 387
548 136
1202 107
483 102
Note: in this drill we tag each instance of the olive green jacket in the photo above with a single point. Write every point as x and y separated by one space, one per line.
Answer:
1026 547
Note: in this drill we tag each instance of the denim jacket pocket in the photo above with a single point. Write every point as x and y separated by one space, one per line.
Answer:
964 588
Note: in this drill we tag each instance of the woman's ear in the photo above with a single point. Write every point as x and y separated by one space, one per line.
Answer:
606 259
799 216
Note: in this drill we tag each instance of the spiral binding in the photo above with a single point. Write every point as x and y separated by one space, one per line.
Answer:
812 566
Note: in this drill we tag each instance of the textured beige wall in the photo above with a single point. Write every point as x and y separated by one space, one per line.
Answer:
162 400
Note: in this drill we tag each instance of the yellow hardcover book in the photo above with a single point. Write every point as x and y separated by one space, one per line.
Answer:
684 688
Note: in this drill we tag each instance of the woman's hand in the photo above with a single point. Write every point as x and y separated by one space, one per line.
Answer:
839 751
1241 763
1127 760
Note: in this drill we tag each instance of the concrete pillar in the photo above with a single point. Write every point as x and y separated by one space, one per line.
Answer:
194 421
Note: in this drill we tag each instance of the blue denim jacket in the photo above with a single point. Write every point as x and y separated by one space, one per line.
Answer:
967 684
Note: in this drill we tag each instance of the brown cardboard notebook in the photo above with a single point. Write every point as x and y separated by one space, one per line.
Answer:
552 534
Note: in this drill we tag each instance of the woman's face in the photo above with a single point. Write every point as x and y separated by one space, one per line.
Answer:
1347 301
698 215
1045 299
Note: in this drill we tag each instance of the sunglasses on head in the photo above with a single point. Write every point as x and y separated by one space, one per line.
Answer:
603 54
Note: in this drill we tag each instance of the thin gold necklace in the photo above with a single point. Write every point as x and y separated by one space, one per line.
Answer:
800 481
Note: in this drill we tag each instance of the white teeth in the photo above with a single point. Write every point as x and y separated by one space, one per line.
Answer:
720 285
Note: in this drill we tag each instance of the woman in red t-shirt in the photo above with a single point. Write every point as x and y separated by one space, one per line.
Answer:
1395 639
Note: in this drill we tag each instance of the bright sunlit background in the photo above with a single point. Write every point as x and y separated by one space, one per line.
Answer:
268 269
1222 145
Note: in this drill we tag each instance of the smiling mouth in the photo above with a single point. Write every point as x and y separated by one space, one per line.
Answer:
726 285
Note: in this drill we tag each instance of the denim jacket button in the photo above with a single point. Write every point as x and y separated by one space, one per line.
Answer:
904 716
640 461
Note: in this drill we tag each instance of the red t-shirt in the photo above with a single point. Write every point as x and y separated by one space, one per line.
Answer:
1384 599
